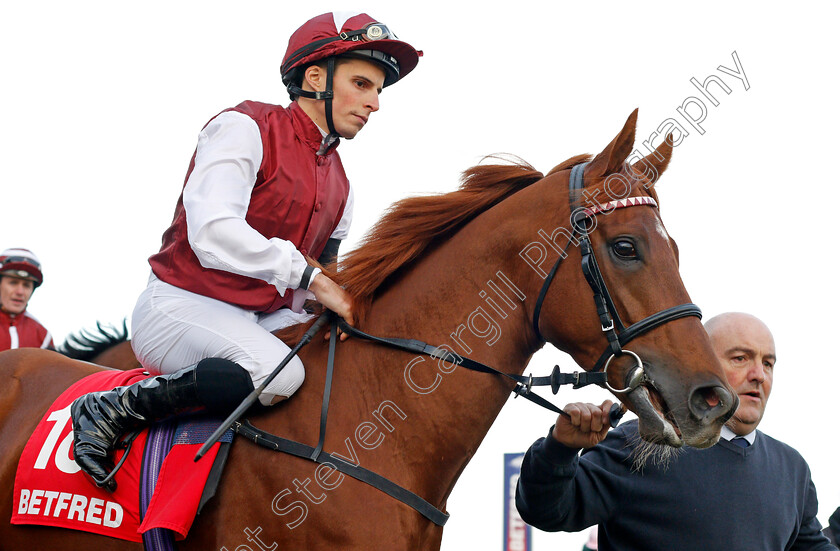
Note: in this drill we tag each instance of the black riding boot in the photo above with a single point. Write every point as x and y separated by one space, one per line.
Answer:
100 418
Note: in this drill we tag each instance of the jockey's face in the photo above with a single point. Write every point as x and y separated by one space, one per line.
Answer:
747 351
15 293
356 87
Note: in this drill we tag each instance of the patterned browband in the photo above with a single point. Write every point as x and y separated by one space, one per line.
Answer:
618 204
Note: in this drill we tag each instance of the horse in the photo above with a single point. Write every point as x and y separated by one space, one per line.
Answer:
469 270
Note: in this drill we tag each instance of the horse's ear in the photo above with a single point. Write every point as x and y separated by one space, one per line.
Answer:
611 159
655 164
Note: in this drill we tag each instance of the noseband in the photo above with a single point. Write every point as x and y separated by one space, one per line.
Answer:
616 332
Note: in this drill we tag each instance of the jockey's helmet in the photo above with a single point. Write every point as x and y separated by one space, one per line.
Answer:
348 35
21 263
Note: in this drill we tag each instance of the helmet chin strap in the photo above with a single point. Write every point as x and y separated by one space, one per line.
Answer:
329 100
327 95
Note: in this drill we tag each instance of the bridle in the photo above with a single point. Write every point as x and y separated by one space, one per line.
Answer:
616 332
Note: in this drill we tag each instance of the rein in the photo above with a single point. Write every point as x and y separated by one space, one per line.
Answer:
523 383
522 388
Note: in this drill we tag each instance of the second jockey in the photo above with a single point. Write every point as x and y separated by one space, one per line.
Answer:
20 275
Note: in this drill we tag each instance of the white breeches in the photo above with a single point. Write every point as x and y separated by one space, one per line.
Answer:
173 328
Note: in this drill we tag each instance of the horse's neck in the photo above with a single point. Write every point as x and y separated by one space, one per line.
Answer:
454 298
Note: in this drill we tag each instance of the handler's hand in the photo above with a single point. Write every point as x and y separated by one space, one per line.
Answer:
586 425
333 297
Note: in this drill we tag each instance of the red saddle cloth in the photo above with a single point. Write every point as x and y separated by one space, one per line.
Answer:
51 490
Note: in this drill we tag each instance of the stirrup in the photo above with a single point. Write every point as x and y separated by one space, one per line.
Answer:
125 443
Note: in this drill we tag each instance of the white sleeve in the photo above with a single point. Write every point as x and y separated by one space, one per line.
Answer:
216 199
343 228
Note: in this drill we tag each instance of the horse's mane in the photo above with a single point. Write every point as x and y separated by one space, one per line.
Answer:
87 344
411 225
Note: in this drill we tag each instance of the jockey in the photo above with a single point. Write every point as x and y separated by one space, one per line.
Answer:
20 275
264 195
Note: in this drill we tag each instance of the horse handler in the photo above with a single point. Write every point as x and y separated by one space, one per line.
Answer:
264 194
748 492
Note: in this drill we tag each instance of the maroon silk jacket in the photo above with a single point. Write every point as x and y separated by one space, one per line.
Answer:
299 196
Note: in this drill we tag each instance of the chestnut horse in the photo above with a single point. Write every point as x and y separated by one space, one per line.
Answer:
460 269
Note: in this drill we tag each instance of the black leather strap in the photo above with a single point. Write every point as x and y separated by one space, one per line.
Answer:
317 454
329 101
215 476
576 182
358 472
420 347
544 291
523 383
330 252
325 402
650 322
522 388
575 185
306 277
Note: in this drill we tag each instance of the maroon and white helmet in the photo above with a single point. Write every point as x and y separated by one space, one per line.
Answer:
21 263
342 33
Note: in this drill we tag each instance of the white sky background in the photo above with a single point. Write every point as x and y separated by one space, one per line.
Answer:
103 102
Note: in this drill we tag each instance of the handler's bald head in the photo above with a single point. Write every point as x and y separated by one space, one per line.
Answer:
729 320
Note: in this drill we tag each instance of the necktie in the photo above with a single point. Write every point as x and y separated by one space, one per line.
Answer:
740 442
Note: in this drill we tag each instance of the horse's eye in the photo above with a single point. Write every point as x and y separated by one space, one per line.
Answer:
624 248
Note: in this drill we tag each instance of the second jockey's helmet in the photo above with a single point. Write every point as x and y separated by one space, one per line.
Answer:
21 263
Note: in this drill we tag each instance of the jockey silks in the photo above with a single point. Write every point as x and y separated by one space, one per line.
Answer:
22 331
299 196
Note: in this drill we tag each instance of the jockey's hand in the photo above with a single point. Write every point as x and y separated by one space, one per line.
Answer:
586 425
333 297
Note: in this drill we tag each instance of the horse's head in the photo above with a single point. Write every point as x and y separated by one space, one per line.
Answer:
660 362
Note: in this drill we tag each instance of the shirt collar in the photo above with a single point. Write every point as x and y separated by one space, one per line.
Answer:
327 142
318 139
727 434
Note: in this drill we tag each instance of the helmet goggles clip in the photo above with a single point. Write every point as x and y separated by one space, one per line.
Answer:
372 32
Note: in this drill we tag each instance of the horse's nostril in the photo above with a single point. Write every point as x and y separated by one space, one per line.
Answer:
710 402
711 397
